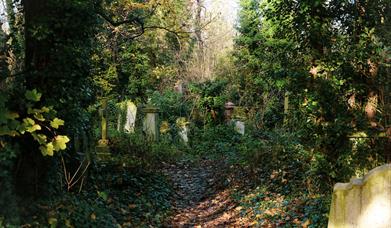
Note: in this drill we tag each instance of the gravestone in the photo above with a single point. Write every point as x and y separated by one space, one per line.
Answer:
182 125
364 202
229 114
229 110
239 127
150 124
131 111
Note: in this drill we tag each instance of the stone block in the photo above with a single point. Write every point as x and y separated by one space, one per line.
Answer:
364 202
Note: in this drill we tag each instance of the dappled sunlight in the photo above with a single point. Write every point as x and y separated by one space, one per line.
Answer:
364 202
377 213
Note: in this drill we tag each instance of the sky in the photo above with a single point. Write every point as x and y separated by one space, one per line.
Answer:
3 25
228 9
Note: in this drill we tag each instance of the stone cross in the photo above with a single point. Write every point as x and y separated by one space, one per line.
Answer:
103 150
103 114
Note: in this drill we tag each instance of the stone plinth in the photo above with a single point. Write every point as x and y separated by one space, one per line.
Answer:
364 202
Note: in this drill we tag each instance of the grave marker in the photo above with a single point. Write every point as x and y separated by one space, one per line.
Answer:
131 112
150 125
364 202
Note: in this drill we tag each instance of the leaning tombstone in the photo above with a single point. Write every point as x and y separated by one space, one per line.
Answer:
150 124
131 112
364 202
102 149
182 125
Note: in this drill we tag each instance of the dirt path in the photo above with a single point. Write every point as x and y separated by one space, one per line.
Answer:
201 199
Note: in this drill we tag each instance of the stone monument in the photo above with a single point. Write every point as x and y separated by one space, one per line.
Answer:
151 123
364 202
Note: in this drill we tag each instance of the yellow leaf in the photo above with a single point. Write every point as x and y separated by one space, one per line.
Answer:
56 123
60 142
28 121
33 128
45 109
50 149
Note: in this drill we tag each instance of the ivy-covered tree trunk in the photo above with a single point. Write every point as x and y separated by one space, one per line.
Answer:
58 42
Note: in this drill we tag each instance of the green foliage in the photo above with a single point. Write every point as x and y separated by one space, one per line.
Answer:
133 150
263 207
216 141
322 53
36 124
172 105
210 97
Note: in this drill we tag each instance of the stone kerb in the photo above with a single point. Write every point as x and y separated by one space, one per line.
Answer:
364 202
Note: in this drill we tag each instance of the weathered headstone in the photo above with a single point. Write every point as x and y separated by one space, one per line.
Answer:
131 111
150 125
229 110
364 202
239 127
182 125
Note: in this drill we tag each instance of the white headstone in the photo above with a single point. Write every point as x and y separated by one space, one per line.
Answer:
183 134
239 127
131 111
182 123
150 124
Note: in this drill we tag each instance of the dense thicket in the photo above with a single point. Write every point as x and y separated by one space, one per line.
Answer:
310 79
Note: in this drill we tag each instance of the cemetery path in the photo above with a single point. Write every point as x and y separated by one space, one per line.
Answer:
201 196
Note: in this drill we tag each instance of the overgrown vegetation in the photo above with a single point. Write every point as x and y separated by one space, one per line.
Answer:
309 79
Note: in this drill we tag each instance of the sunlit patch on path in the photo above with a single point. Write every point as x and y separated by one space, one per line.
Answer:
201 198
